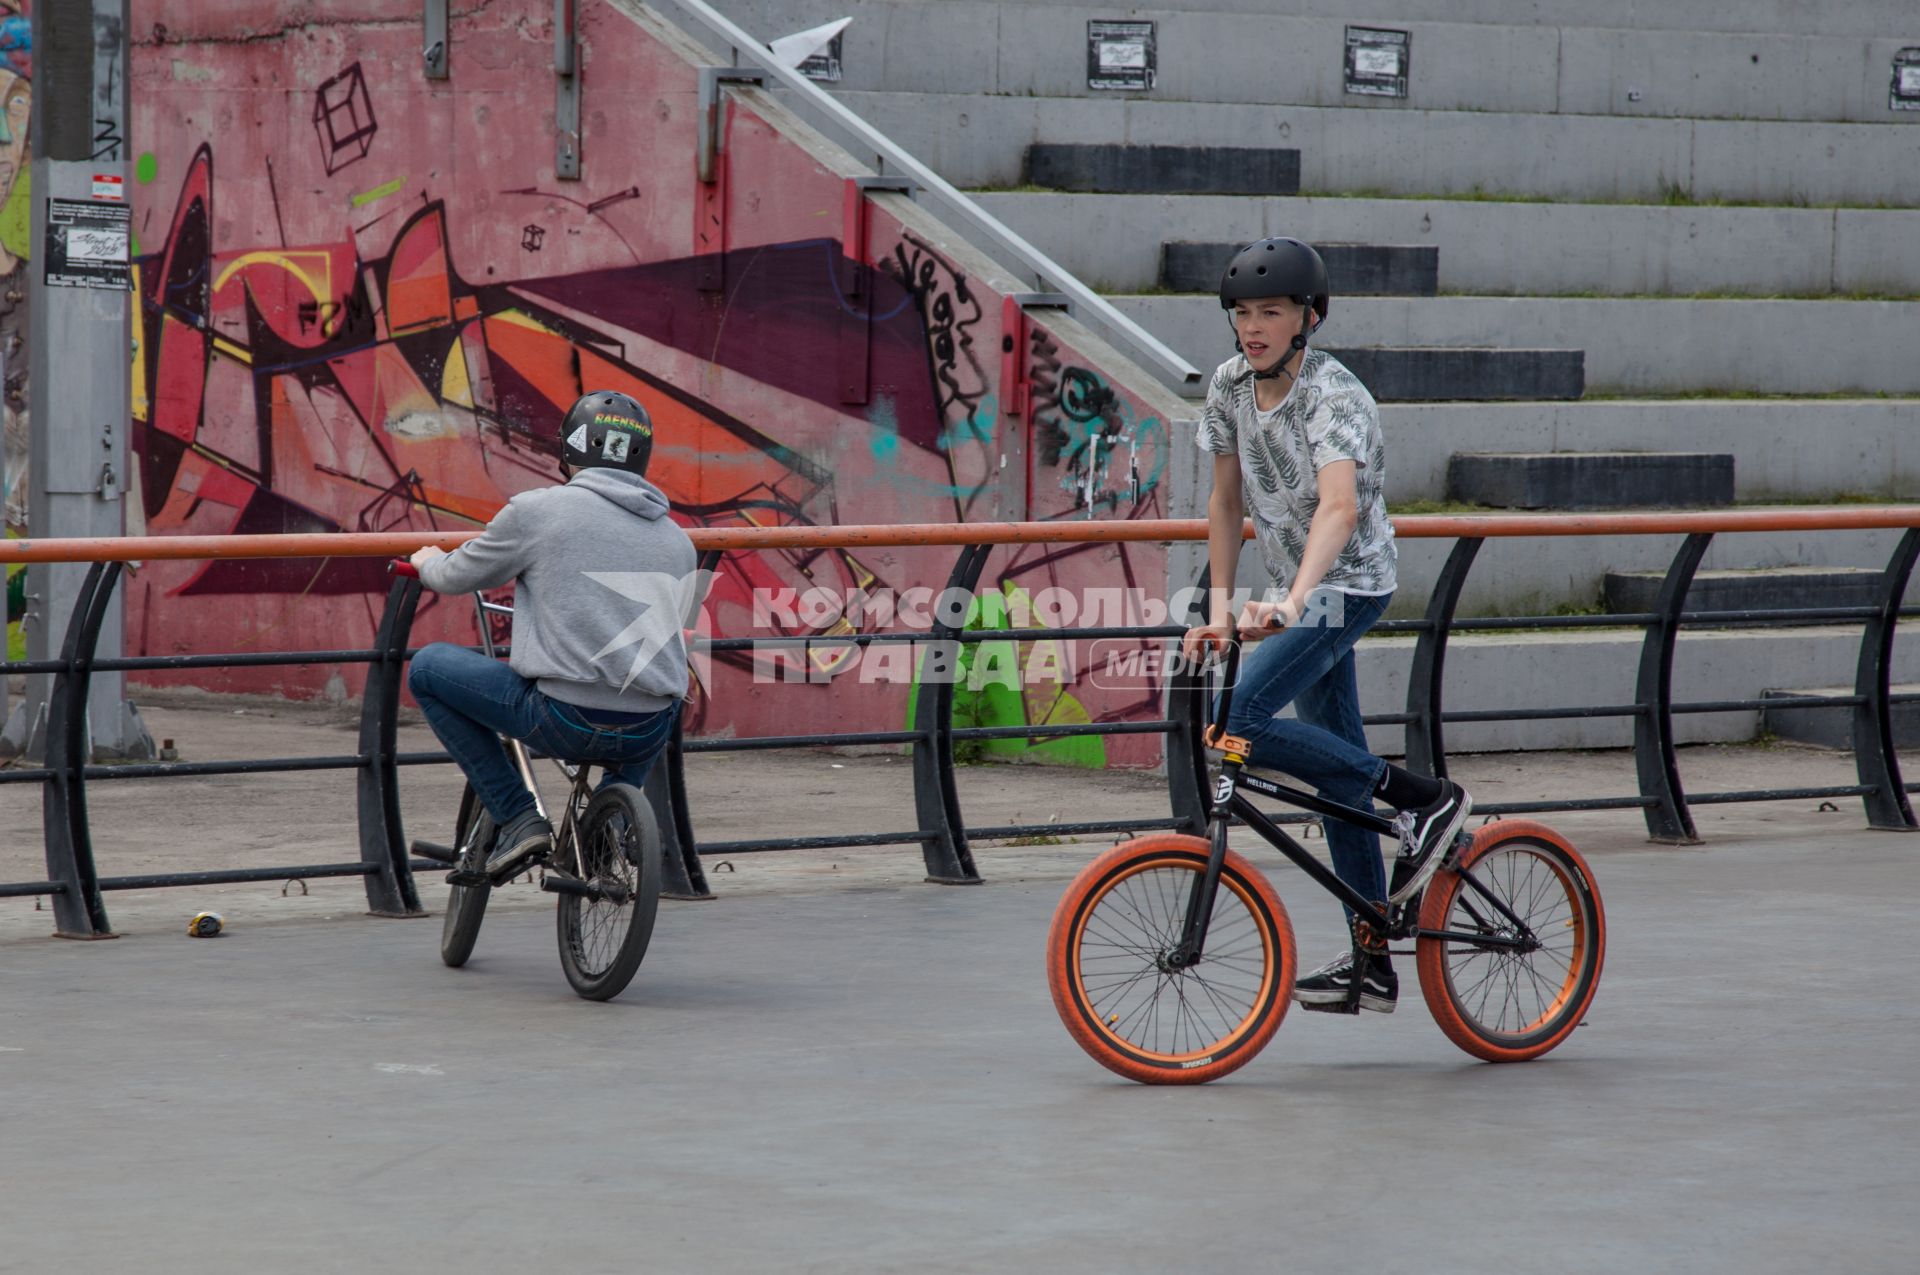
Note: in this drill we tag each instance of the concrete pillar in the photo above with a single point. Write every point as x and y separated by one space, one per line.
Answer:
81 342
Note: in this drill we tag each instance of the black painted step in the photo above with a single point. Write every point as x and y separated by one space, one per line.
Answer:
1353 269
1110 168
1831 726
1591 480
1431 374
1763 590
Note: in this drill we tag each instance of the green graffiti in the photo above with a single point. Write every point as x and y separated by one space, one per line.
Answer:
146 168
997 686
381 191
16 217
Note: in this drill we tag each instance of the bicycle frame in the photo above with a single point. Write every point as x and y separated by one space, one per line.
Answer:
566 834
1227 803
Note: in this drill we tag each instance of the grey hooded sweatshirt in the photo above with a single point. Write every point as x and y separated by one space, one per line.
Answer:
606 584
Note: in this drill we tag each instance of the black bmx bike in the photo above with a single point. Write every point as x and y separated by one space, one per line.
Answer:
605 866
1172 961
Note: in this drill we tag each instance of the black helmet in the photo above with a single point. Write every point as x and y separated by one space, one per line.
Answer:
1276 268
607 430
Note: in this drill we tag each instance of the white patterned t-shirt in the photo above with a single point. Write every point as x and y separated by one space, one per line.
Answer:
1327 416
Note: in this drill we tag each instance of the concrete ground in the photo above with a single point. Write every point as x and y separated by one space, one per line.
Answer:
835 1067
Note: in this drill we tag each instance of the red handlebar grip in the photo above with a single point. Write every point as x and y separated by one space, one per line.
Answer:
402 567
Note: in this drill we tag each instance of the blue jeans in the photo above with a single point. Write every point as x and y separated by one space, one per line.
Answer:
1311 667
470 701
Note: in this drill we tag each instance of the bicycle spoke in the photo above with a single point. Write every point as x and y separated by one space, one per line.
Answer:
1123 944
1509 991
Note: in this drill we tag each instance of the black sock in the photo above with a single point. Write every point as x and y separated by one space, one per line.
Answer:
1405 790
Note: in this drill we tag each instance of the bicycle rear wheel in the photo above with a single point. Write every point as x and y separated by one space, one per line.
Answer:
603 940
467 904
1500 1003
1106 963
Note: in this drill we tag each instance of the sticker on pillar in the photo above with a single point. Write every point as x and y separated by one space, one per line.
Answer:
87 244
1120 55
1905 93
1377 61
107 186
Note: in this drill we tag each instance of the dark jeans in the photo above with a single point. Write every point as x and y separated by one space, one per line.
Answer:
1311 667
470 701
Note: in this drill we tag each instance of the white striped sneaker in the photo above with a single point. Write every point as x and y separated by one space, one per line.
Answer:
1326 988
1426 835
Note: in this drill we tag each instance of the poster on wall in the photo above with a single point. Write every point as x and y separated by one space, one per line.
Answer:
1377 61
1905 93
87 244
1120 55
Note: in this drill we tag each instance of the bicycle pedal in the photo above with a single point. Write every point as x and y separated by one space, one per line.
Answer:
462 877
1331 1007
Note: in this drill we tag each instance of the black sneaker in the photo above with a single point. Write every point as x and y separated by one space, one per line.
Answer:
526 840
1424 837
1326 988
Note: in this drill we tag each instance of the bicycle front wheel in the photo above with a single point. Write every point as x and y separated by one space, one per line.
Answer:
602 940
467 904
1107 963
1503 1003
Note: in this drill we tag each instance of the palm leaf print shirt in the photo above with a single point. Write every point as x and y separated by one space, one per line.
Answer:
1327 416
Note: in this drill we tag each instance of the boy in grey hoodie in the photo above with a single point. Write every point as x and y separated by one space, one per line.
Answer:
604 584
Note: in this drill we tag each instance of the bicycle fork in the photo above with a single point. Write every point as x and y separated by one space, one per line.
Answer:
1193 933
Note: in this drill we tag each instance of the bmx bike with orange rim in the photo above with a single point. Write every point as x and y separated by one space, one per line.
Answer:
1171 958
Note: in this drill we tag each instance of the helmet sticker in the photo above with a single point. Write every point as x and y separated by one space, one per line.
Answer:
623 422
578 439
615 448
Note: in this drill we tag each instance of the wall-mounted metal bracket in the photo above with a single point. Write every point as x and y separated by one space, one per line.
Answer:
434 56
566 101
888 181
1016 384
711 78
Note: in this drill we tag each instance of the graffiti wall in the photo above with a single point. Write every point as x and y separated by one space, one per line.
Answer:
16 112
365 302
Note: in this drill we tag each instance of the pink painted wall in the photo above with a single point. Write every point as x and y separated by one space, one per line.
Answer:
367 301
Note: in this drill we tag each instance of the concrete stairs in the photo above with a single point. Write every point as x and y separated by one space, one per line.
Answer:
1762 589
1831 725
1542 670
1610 227
1354 269
1591 480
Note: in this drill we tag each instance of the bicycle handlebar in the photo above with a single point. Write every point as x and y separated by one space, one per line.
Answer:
402 567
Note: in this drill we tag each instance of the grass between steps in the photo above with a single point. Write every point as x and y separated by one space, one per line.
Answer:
1712 294
1584 294
1763 396
1671 197
1753 500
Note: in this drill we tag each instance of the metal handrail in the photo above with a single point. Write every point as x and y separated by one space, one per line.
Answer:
75 885
363 544
1049 275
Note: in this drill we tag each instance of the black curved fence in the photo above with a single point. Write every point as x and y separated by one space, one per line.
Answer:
76 886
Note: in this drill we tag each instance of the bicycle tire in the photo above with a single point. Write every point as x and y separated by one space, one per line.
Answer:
1094 973
467 904
1541 995
601 942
